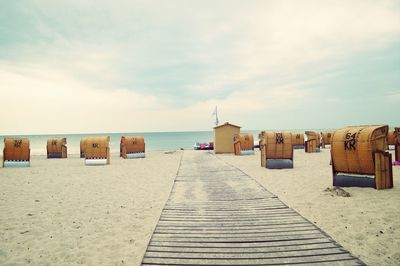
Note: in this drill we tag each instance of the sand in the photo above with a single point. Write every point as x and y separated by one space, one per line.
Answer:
60 212
367 223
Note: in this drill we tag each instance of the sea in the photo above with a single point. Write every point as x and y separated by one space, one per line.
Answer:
155 141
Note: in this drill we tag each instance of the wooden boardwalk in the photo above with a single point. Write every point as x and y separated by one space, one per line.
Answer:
217 215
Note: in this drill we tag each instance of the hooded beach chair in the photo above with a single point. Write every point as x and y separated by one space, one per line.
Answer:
298 140
326 138
397 145
358 153
82 147
16 152
97 150
56 148
391 138
243 144
132 147
276 150
313 142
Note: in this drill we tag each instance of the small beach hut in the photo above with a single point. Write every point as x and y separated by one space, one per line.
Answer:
223 136
243 144
82 147
97 150
16 152
326 138
276 150
313 142
132 147
361 152
56 148
298 140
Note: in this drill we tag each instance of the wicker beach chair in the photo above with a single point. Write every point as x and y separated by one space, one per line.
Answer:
276 150
132 147
313 142
360 152
16 152
243 144
56 148
97 150
325 139
82 147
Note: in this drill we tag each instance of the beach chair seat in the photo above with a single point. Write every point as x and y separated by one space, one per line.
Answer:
56 148
276 150
132 147
243 144
359 157
16 152
97 150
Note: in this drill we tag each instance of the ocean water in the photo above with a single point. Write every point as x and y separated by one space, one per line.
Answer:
155 141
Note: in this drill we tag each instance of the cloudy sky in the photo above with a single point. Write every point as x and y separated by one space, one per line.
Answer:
73 66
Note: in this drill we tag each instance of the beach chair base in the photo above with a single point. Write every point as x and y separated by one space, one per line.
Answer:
279 164
54 156
96 162
135 155
14 164
246 152
341 180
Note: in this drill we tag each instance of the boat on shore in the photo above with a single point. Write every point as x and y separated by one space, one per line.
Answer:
203 146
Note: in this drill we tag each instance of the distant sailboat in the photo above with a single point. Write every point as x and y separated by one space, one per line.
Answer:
216 116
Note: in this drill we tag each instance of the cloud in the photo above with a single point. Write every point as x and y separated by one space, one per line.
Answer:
98 63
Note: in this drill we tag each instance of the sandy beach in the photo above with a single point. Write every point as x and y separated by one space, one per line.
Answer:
60 212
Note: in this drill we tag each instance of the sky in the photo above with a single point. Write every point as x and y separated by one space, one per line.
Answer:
73 66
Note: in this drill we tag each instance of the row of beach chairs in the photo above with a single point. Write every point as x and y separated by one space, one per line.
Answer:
356 152
95 150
